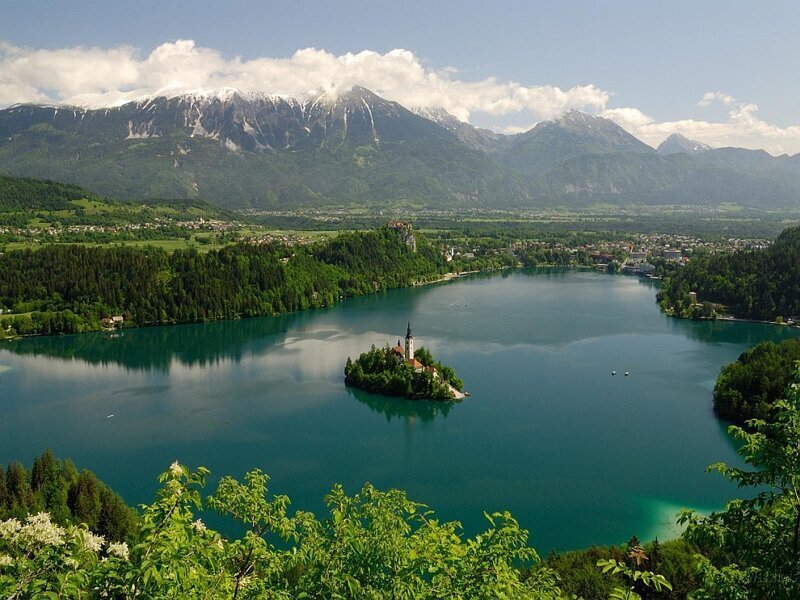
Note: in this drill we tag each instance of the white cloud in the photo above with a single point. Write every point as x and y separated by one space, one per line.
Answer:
514 129
742 129
96 76
711 97
630 119
111 76
56 74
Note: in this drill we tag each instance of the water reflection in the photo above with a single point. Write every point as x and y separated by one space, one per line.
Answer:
210 344
161 348
734 332
548 433
453 317
401 408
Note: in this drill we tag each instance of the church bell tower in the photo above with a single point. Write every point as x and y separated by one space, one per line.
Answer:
409 343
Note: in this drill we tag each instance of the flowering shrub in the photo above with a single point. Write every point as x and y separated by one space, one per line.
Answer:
373 545
39 559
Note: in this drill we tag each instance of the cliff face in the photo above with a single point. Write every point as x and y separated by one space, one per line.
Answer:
248 149
406 233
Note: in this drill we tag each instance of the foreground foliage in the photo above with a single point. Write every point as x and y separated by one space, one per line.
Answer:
675 560
372 545
752 548
67 495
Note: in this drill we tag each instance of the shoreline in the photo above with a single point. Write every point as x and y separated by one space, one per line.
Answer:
450 276
731 319
743 320
446 277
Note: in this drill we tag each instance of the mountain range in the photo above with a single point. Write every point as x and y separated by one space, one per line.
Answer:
244 149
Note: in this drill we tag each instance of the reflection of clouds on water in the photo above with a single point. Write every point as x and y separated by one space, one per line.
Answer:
191 402
315 357
547 427
537 308
185 403
71 369
141 391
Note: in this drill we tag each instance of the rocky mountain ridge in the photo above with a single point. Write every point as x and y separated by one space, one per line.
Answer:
247 149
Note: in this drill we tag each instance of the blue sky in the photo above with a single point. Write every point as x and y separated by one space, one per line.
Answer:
659 58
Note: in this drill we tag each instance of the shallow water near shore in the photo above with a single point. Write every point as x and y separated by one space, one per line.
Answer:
578 456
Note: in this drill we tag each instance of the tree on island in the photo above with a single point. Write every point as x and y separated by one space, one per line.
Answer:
381 370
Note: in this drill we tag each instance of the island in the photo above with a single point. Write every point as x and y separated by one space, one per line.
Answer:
402 371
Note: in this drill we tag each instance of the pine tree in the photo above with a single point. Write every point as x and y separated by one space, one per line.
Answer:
116 520
42 471
50 487
84 499
3 490
19 493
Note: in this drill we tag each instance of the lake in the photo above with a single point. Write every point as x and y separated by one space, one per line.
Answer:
577 455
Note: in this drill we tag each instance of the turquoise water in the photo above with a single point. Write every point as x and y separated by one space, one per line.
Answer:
578 456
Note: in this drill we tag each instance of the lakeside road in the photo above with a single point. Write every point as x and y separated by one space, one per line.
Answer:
741 320
450 276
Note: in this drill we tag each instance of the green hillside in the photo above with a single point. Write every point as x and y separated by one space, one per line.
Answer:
36 203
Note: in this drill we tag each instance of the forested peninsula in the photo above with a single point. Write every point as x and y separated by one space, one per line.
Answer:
761 284
72 289
750 387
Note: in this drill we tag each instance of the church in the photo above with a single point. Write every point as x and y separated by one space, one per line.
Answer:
407 354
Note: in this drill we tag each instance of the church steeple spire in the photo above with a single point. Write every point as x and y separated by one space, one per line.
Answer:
409 343
408 331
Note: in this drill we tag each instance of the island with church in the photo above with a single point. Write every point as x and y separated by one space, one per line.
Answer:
404 371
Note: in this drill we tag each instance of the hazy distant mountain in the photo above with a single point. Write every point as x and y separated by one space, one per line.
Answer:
676 144
250 149
648 178
476 138
743 159
573 134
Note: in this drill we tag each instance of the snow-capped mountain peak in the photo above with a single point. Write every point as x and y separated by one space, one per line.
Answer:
677 143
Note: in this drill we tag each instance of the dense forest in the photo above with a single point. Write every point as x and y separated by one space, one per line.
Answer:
71 289
21 193
381 370
753 284
749 387
67 495
375 544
